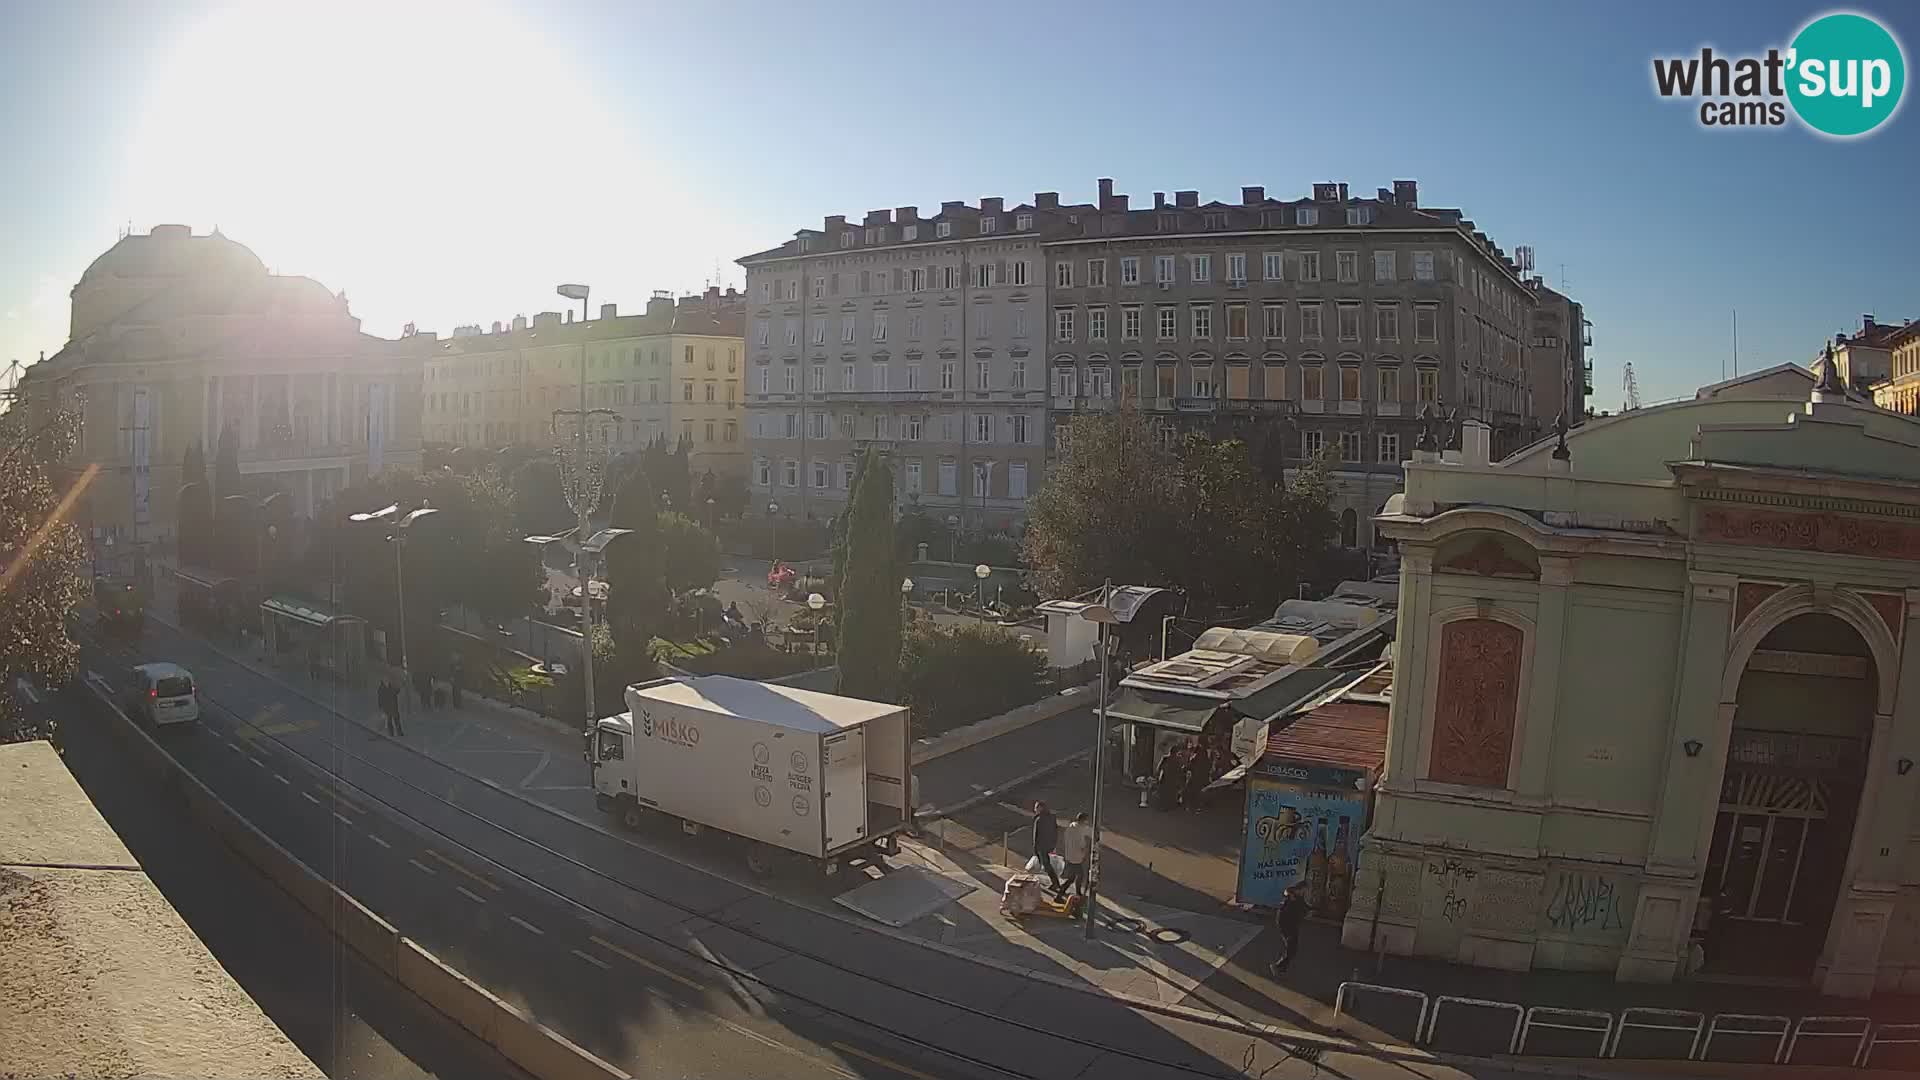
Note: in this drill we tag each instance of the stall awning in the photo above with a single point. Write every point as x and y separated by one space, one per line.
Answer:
304 611
206 579
1176 712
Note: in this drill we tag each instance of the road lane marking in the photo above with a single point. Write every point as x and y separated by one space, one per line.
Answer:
525 925
462 890
308 795
646 963
348 803
457 868
422 867
375 837
256 761
231 745
885 1063
594 960
342 818
283 779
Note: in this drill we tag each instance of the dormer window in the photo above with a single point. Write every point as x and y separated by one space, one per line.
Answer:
909 232
846 239
1359 215
1306 215
1216 221
988 224
877 236
1022 222
943 229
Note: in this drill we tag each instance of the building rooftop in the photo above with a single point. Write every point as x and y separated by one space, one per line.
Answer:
102 977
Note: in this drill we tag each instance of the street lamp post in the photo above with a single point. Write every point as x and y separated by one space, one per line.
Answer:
816 603
773 529
906 598
983 571
1102 615
953 537
398 538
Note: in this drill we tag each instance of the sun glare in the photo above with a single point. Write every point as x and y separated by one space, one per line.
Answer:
424 156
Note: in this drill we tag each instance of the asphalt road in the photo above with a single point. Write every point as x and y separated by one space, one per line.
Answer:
354 1022
613 944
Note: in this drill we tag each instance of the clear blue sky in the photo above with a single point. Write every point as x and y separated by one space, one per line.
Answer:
444 169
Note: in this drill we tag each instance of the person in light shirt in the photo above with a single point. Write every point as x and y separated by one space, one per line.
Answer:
1076 840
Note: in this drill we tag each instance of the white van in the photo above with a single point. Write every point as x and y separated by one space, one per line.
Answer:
163 694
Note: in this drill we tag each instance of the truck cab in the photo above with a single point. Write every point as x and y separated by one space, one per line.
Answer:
608 746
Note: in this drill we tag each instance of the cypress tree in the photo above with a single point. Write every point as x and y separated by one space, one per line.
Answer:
869 598
636 600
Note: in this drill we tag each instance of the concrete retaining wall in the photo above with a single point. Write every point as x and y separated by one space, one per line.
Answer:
533 1046
925 750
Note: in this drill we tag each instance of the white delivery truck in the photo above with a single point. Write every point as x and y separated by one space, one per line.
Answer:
818 775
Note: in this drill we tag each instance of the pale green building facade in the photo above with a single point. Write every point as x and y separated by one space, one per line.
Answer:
1659 668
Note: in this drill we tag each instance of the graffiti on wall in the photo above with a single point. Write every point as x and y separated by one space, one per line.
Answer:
1588 903
1453 882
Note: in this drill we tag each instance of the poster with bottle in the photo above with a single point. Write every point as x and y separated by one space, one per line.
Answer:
1294 835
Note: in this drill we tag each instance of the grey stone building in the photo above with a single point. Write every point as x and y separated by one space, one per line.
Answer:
923 336
1315 325
1562 374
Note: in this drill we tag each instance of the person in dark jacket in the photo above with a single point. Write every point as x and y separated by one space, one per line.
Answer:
1292 911
456 673
1169 780
1199 775
1046 834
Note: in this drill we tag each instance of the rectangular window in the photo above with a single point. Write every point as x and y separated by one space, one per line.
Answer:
909 232
949 277
1097 324
1270 266
1349 382
1017 480
1066 381
1347 265
1019 268
820 332
989 225
1274 321
1017 428
1390 447
1063 275
879 326
1386 323
1306 215
762 472
883 426
732 430
913 475
816 425
949 474
1312 443
1203 381
1163 269
1063 324
1309 322
1130 382
1349 322
849 377
817 382
913 375
1019 374
1130 270
911 429
982 479
1130 323
1426 322
1312 386
793 332
790 473
1169 322
1423 266
1236 269
820 475
1019 320
982 375
916 277
983 322
946 375
983 427
1309 266
946 324
1163 376
686 390
1096 273
1383 268
1428 382
1236 322
1359 215
846 475
1099 383
846 425
942 229
916 326
880 377
1022 222
1349 446
1276 389
819 287
1200 268
1389 386
760 332
983 276
1202 322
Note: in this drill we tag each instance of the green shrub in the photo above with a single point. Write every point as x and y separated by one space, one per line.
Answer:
958 674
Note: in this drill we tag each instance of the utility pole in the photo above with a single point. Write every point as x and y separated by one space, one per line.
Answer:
1102 616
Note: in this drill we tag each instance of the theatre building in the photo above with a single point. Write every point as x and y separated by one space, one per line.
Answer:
1655 707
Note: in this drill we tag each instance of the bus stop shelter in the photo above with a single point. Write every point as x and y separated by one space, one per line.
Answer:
307 634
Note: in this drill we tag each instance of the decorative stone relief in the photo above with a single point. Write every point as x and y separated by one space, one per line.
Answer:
1477 701
1837 534
1750 595
1488 559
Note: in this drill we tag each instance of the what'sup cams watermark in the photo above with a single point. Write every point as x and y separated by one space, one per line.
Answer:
1842 76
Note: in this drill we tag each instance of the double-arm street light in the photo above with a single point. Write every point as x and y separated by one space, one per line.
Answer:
585 554
402 530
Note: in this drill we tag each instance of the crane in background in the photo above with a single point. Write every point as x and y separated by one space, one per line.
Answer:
1631 386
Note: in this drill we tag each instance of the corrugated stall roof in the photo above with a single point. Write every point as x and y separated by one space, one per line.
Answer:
1340 734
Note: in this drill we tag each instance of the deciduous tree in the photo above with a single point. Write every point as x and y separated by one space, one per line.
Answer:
42 561
636 579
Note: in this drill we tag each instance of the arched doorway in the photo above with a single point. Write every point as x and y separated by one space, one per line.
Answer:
1349 528
1789 798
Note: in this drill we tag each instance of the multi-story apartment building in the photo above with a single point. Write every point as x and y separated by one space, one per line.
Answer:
920 336
1900 392
1320 325
963 342
676 370
1562 376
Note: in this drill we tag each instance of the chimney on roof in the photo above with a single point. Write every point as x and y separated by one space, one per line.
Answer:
712 293
609 311
496 326
1186 198
1159 200
1119 203
836 221
660 304
1343 192
569 315
1106 192
1867 323
952 207
990 205
879 217
1251 195
906 215
519 322
1046 200
1383 194
1407 193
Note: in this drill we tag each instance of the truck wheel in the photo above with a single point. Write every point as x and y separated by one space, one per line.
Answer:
631 815
759 861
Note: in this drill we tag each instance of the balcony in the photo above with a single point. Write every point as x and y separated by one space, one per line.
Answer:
1349 408
1387 408
1064 402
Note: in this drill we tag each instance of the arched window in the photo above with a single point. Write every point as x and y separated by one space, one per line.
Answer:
1349 528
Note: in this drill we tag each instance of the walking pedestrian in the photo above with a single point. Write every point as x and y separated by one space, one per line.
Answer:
1046 834
390 705
457 672
1293 909
1199 775
1167 782
423 689
1075 842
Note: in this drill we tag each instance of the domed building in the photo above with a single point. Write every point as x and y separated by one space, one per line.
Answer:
1656 705
176 339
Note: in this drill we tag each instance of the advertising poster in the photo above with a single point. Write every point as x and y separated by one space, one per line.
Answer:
1297 834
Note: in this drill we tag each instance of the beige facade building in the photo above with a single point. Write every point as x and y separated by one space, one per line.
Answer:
674 371
1656 701
1561 373
1900 391
177 338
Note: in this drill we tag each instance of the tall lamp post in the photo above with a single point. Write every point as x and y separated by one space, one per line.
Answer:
402 531
1102 615
773 530
816 603
983 571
